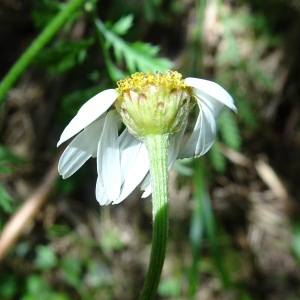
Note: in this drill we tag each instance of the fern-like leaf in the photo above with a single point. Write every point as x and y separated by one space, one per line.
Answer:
229 130
122 26
217 158
247 113
138 56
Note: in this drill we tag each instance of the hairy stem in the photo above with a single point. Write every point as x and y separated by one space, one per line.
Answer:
157 146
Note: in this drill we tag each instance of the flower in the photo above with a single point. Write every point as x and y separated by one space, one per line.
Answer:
147 104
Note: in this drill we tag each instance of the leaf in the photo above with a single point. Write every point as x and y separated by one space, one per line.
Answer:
8 285
45 257
64 55
247 113
170 287
5 200
72 268
184 166
44 11
138 56
122 26
204 213
8 160
229 130
115 73
296 240
217 158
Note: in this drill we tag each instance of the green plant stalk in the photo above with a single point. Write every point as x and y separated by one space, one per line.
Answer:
37 45
157 146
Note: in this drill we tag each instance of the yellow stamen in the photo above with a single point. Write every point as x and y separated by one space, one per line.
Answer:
139 80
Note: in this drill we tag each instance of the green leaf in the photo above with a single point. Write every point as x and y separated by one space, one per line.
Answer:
111 240
151 8
5 200
36 285
43 12
296 240
217 158
170 287
206 215
8 285
72 270
229 130
196 226
8 160
7 156
39 288
114 72
247 113
183 166
58 230
122 26
64 55
138 56
46 258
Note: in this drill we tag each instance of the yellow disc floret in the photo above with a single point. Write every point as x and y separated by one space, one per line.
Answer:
139 80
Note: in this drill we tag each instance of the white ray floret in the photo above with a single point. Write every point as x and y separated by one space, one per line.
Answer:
80 149
88 113
108 157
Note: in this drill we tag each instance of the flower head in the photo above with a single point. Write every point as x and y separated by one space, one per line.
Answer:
154 103
148 104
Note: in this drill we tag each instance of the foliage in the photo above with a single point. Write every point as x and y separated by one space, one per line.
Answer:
64 55
138 56
217 158
229 130
8 163
43 11
8 160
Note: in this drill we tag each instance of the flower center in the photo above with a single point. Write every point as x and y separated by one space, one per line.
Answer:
152 104
138 81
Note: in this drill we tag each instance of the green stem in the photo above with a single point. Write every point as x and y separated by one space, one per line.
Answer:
157 146
37 45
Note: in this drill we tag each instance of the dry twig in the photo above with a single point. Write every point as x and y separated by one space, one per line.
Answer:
27 211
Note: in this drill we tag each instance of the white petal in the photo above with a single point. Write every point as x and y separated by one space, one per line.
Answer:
147 192
203 135
80 149
212 93
89 112
101 193
174 146
108 157
129 149
136 173
146 186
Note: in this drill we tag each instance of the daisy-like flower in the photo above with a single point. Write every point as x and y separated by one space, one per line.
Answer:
148 104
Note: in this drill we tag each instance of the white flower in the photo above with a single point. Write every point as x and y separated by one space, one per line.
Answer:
122 160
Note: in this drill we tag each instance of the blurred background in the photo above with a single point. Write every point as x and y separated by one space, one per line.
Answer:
234 225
